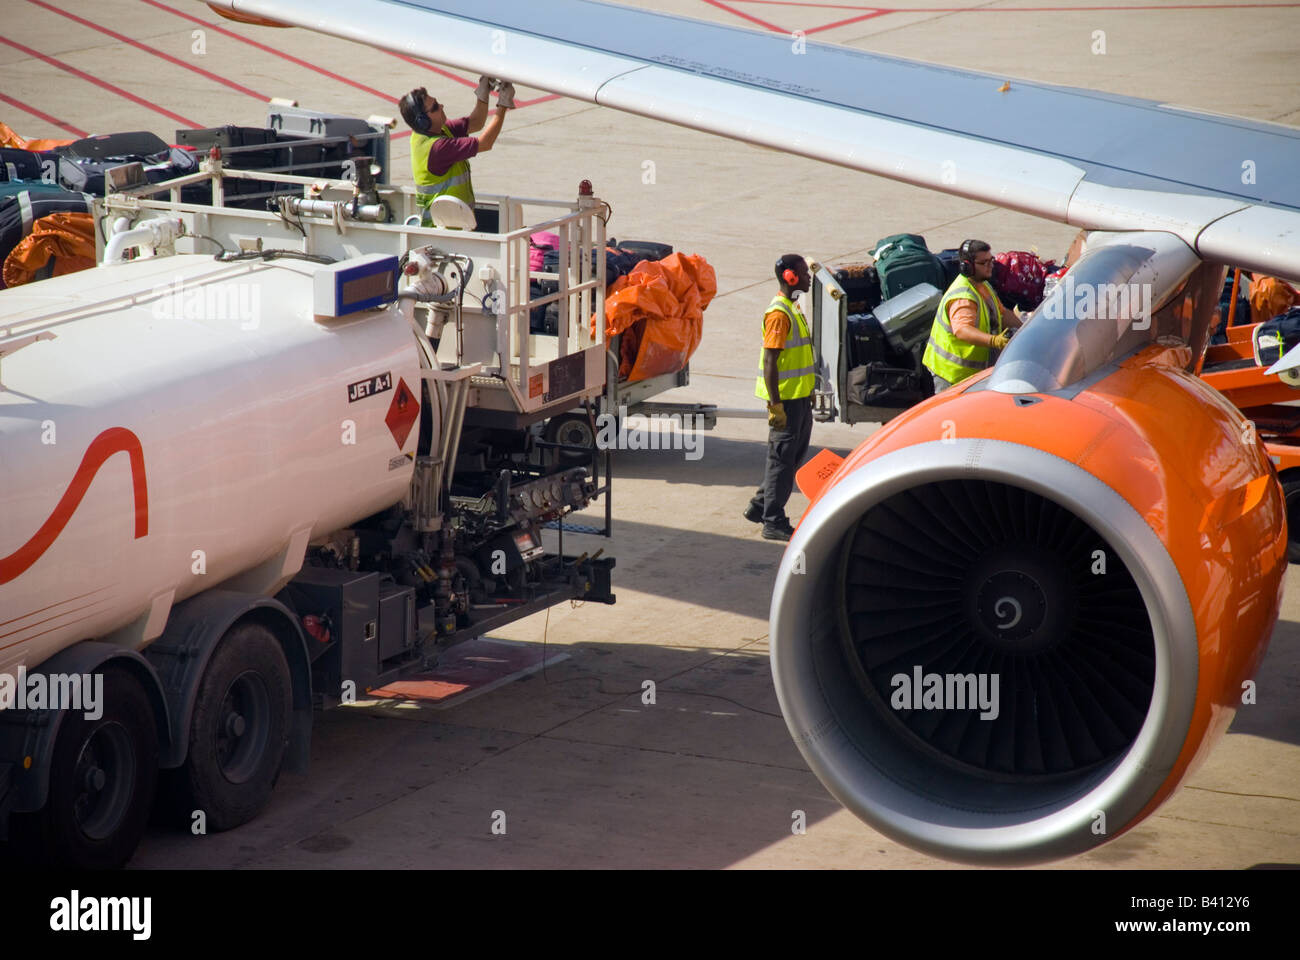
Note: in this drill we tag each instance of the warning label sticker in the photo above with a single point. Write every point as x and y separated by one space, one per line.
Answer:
370 386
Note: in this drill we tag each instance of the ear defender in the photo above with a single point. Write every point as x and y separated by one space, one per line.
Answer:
965 260
412 110
790 277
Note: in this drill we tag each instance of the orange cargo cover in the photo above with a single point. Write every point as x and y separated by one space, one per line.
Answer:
8 138
659 308
67 237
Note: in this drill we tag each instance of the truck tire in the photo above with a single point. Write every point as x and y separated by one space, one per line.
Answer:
238 732
102 778
1291 492
574 430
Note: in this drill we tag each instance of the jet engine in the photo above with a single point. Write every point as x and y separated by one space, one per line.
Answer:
1014 620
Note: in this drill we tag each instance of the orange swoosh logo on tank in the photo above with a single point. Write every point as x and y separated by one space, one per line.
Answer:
111 441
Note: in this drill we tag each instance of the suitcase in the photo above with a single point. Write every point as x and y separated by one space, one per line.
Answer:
81 164
881 385
19 164
865 340
951 264
644 249
903 261
1018 278
906 319
225 137
861 285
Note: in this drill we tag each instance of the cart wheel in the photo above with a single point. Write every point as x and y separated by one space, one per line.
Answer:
1291 490
572 430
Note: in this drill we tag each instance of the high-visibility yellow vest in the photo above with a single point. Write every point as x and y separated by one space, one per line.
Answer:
455 181
794 365
954 359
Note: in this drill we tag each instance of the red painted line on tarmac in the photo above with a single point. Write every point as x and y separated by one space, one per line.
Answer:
81 74
32 613
762 23
148 49
271 50
1062 9
843 23
41 114
111 441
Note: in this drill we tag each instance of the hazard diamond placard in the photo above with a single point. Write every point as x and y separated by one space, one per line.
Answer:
402 413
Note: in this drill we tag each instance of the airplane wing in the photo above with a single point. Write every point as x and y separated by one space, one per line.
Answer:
1225 185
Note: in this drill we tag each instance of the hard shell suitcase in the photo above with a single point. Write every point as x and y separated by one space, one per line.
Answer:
906 319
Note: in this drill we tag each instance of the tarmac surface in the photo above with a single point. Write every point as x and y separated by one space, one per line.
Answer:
582 771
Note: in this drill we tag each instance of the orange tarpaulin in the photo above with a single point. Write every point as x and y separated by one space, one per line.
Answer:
10 139
67 237
659 309
1269 297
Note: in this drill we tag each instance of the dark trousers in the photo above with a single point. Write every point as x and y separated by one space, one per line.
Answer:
786 450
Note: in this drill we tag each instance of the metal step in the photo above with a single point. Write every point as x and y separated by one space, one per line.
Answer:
575 528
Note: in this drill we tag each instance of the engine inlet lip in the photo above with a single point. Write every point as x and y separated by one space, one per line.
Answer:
1052 825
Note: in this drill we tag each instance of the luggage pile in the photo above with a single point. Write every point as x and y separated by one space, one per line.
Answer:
621 258
27 199
891 307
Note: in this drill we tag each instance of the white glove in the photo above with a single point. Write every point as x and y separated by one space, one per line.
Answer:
506 97
485 85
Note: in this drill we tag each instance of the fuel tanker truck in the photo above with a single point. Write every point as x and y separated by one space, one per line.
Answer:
257 462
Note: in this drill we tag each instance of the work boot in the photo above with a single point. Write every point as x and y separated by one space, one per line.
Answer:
778 531
754 512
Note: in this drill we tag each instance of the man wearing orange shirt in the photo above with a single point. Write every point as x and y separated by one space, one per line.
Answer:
786 382
971 324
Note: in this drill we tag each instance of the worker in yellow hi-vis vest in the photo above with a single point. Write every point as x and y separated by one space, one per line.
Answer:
441 148
971 325
785 381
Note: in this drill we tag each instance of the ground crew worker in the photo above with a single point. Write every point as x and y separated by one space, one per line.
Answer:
785 381
971 324
441 148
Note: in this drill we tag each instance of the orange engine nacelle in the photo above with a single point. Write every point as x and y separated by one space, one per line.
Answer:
1114 559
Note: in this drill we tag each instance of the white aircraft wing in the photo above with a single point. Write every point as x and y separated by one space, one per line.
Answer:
1225 185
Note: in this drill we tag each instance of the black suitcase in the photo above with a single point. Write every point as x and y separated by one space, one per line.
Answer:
880 385
135 145
82 164
865 340
861 285
643 249
19 164
225 137
951 265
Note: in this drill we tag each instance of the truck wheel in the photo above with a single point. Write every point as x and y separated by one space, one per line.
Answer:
102 778
573 430
1291 491
238 732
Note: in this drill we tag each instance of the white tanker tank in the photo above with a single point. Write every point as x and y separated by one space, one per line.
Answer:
236 487
185 421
